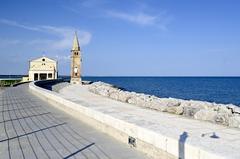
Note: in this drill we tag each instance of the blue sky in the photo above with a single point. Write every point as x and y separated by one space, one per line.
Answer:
124 38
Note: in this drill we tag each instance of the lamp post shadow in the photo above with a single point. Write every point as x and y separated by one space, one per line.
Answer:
181 145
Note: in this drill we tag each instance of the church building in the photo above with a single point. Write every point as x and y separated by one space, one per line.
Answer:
42 69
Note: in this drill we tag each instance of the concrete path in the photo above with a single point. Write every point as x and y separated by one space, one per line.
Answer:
31 128
208 137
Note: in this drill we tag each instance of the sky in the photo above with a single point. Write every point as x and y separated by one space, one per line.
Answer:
123 38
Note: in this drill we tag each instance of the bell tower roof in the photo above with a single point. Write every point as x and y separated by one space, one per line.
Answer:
76 43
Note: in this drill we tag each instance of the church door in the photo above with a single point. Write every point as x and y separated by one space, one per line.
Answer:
43 76
35 76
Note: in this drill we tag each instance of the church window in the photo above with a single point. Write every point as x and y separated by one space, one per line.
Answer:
43 59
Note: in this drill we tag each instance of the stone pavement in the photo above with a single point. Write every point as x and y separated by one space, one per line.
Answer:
31 128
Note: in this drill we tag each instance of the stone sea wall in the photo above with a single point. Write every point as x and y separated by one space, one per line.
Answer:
225 114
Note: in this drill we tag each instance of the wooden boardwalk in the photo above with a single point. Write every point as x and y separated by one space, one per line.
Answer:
30 128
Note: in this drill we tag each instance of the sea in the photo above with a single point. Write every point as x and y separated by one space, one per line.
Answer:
225 90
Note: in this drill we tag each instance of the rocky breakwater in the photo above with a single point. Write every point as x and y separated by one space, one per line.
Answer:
225 114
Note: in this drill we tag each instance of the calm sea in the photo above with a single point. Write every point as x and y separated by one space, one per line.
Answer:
213 89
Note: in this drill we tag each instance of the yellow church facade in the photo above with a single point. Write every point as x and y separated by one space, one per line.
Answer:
42 68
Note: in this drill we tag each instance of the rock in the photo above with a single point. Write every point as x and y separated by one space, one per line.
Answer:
208 115
175 110
114 95
132 100
197 104
123 96
224 109
157 105
222 118
104 93
153 104
191 107
234 121
236 110
168 102
103 89
171 102
140 101
189 111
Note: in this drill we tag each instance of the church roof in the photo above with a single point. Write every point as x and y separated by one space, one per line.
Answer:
76 43
40 59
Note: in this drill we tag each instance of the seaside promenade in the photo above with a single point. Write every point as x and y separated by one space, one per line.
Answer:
32 128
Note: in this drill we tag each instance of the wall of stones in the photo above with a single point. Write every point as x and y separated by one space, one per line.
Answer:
224 114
